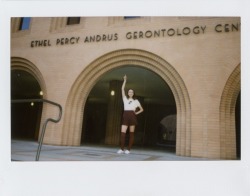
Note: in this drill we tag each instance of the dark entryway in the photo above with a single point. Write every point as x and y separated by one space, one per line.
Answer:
238 126
153 93
25 117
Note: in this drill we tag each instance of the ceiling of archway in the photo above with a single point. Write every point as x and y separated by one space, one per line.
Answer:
24 85
145 83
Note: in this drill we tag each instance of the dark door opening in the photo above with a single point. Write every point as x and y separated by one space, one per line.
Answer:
238 126
94 123
25 117
153 93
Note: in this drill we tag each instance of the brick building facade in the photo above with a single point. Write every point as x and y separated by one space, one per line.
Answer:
198 60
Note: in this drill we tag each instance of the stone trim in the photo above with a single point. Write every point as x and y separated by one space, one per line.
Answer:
227 115
18 63
76 100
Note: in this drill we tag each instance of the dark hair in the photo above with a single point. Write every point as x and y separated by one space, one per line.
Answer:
134 96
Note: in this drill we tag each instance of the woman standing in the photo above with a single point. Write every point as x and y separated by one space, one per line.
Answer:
129 117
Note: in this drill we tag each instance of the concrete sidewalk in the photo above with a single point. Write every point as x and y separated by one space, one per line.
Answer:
26 151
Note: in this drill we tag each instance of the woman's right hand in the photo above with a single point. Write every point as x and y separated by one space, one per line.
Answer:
125 77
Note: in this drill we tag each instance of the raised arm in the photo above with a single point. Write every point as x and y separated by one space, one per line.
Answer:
123 86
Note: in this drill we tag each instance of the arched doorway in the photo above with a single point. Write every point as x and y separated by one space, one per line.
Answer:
25 117
26 83
155 96
230 117
74 108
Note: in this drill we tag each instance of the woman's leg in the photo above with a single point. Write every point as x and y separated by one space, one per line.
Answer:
123 135
131 137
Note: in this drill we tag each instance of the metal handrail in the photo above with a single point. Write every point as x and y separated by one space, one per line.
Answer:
45 123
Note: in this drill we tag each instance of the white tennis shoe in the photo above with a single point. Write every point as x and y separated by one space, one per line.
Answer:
120 151
127 152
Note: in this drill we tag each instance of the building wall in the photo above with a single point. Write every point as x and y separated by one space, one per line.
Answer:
200 54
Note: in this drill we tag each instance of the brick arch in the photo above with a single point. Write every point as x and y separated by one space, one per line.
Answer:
18 63
81 88
227 115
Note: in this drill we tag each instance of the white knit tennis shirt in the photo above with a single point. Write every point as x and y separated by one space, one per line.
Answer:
130 104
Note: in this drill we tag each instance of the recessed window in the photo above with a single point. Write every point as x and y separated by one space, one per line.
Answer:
131 17
73 20
24 23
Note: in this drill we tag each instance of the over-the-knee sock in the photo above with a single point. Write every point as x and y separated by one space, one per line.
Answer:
123 137
131 140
